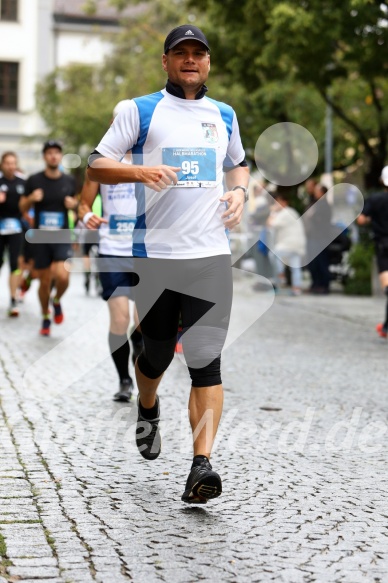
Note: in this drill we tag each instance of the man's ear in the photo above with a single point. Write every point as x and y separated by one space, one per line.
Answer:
164 62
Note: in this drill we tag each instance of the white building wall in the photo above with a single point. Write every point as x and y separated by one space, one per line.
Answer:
74 47
38 45
18 43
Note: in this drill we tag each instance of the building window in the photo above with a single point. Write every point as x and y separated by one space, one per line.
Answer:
9 81
9 10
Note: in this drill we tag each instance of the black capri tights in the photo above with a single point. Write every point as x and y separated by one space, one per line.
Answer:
198 290
14 245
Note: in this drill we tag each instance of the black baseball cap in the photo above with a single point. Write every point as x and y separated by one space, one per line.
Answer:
184 32
51 144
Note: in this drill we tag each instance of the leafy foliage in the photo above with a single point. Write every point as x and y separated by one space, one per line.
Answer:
360 260
335 48
273 61
76 102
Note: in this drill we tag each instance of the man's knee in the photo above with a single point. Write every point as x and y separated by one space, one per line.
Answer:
156 357
61 276
208 376
202 345
119 323
44 276
119 315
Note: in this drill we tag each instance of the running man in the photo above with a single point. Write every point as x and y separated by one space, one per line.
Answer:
52 194
116 277
88 249
11 230
375 214
182 143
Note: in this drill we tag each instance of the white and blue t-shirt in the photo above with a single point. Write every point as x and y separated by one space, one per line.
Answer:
199 136
119 209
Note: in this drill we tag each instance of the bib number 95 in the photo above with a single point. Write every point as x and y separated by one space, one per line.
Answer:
190 167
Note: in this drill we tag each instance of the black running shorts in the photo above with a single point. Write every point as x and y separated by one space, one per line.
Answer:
382 255
200 292
47 253
14 244
116 276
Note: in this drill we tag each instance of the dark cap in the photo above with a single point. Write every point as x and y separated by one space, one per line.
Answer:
184 32
51 144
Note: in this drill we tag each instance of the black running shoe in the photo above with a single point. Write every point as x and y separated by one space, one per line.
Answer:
202 484
45 329
148 439
124 393
58 314
13 311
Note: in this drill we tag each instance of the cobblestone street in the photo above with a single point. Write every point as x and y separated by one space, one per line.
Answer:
302 451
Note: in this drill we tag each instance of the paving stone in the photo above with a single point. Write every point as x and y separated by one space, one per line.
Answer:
76 575
286 515
45 580
44 561
33 571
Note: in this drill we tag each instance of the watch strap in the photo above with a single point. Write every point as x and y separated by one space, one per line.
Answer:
245 191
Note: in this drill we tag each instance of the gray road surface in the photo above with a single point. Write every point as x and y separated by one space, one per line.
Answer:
302 452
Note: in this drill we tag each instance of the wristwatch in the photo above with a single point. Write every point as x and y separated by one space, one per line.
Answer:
245 191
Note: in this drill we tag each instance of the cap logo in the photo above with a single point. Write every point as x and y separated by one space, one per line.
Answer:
189 32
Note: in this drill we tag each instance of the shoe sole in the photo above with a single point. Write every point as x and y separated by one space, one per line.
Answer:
149 457
44 333
122 397
206 489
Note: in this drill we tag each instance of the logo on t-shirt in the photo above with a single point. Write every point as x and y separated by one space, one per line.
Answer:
20 188
210 132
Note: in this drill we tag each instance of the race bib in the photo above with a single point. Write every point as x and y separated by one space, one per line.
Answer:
51 221
121 225
10 226
198 166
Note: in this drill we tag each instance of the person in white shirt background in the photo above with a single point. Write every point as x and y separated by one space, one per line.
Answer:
289 242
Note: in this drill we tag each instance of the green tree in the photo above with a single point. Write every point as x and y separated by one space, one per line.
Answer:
328 52
338 49
76 101
272 60
76 104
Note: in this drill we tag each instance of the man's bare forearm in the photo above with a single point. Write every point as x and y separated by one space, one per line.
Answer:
25 203
87 197
107 171
237 177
